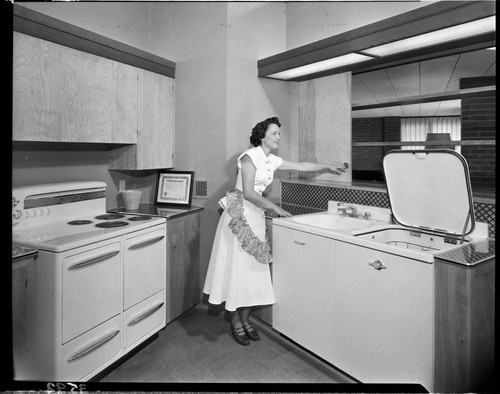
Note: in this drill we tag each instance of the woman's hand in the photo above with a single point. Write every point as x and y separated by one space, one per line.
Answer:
282 212
336 170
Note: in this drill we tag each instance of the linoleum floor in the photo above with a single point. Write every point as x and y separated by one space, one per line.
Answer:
198 348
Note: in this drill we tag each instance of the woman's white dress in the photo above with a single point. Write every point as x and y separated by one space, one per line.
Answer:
235 276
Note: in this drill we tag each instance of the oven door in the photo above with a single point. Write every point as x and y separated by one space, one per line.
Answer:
91 287
145 262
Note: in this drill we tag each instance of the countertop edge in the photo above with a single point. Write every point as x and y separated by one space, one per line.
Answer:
186 211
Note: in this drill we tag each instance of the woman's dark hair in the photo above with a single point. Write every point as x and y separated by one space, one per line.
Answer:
259 131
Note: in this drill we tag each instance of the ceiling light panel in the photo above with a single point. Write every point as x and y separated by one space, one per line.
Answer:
480 26
328 64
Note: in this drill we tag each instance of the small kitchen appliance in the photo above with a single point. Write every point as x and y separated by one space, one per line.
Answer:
97 287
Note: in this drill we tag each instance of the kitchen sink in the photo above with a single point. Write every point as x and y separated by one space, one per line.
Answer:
332 221
410 239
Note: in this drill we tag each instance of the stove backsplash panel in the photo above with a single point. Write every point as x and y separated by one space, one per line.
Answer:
317 196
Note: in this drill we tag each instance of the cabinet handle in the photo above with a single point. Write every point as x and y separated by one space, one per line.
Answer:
97 259
146 243
145 314
299 242
377 264
94 346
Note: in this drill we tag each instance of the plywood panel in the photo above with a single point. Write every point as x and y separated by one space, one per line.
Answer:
45 89
325 123
157 121
307 121
333 123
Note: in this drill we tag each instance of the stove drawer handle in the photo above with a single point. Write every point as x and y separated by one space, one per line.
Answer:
146 243
94 346
97 259
145 314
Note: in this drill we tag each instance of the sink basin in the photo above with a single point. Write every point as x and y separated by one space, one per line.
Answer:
332 221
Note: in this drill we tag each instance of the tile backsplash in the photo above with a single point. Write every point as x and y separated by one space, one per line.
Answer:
317 196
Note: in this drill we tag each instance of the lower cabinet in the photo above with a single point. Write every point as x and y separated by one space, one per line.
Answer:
265 312
384 317
183 255
304 286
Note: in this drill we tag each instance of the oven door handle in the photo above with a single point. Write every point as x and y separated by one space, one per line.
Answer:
94 260
146 243
94 345
145 314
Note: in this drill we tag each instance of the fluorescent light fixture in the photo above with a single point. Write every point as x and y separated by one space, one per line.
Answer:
453 33
323 65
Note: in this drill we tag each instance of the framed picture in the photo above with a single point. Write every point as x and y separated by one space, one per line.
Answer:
174 188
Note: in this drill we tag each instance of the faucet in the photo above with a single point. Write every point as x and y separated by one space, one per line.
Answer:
349 210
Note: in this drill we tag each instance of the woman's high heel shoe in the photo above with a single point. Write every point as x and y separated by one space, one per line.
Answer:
250 331
239 335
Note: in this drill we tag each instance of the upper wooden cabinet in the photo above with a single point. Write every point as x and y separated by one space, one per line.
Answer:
155 136
61 94
74 85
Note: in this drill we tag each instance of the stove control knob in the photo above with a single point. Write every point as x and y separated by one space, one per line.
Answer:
33 214
17 215
15 201
47 211
39 212
26 214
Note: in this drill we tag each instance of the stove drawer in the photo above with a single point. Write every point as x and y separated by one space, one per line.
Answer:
91 289
145 262
93 350
145 318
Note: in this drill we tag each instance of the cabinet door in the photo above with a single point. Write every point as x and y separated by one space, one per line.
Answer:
155 140
156 130
45 90
61 94
304 285
384 322
109 96
184 258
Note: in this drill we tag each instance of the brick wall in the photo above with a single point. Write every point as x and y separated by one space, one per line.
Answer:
369 158
367 130
478 123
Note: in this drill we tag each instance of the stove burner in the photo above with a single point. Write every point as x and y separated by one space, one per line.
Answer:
138 218
111 224
110 216
79 222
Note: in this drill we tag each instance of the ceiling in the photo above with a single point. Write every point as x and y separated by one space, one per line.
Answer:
425 78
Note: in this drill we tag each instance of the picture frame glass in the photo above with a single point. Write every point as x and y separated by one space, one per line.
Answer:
174 188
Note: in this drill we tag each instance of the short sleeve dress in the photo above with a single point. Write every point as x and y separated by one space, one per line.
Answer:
238 272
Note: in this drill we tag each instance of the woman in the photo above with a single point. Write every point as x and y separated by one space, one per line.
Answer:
238 272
